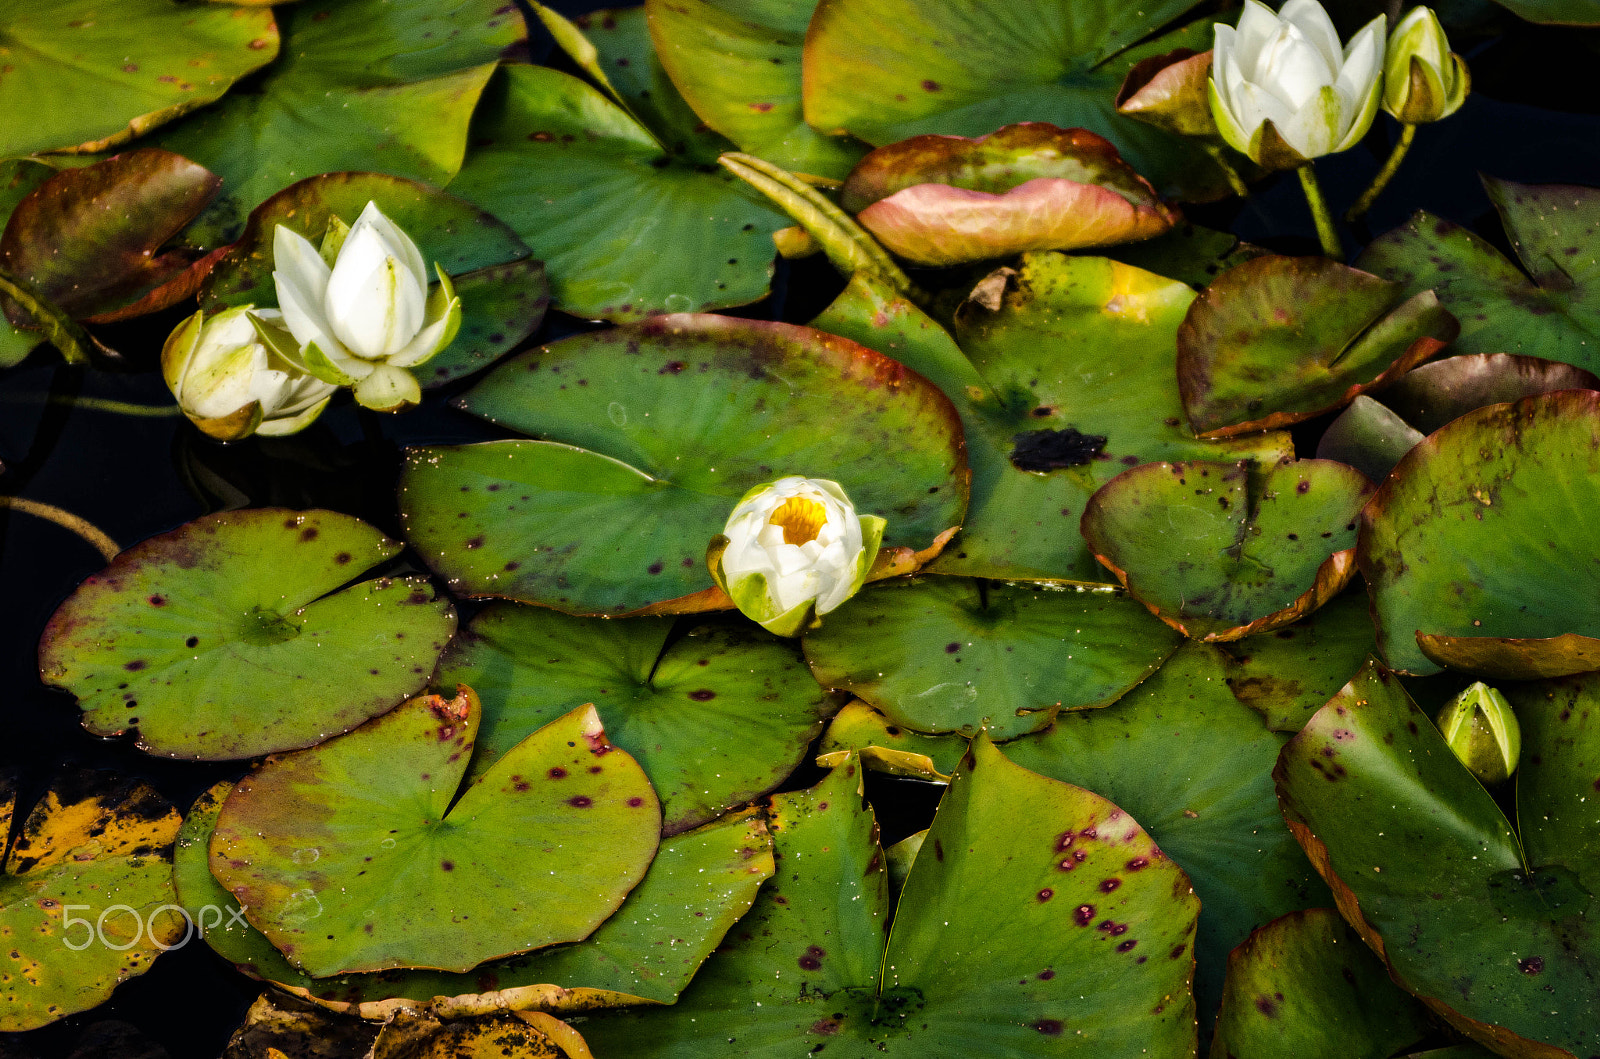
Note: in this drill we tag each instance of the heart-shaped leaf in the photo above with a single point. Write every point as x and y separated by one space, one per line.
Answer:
1278 340
666 424
85 900
503 292
720 716
1222 551
385 85
1479 547
92 78
231 636
625 227
1305 985
950 654
387 867
1490 933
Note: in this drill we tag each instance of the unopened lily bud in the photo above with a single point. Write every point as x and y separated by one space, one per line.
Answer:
1423 79
230 384
794 550
1483 732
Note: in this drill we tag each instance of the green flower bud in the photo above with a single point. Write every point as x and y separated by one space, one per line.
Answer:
1423 80
1482 732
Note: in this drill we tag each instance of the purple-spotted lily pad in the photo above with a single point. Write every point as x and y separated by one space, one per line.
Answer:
1487 927
1481 548
953 654
85 898
79 74
950 200
89 240
697 887
665 425
886 70
1036 915
358 854
1305 985
1278 340
231 636
1555 230
721 715
503 291
1223 551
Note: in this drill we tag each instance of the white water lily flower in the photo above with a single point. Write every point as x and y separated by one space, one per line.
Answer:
1282 90
365 317
1423 79
793 549
231 385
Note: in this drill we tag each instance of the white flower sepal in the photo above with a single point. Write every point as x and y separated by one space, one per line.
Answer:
231 384
360 310
793 551
1283 92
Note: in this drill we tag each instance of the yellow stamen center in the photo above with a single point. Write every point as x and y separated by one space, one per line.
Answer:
801 519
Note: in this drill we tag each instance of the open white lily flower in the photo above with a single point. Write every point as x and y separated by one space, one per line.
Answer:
360 309
794 549
1283 92
231 385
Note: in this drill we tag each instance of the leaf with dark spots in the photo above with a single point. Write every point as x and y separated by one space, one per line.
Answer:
1051 450
1288 674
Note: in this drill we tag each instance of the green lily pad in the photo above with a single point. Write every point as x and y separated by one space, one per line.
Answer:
85 899
1305 985
384 85
737 63
18 177
1477 546
387 867
995 949
666 424
1221 551
1289 674
1368 437
1557 12
860 730
89 240
625 227
697 887
963 68
1553 229
91 77
503 292
948 654
1278 340
1489 933
717 718
1187 758
1188 252
231 637
1431 395
1048 417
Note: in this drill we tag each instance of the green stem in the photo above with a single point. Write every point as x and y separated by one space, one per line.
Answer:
1327 234
95 404
1235 181
1381 181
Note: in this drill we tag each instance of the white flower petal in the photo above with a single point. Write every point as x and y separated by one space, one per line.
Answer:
301 279
1257 26
1295 70
396 243
1311 18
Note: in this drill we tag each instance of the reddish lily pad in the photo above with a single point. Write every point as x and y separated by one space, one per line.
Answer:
1431 395
231 636
358 855
949 654
1169 92
1223 551
85 899
667 424
1278 340
1484 535
89 240
950 200
1305 985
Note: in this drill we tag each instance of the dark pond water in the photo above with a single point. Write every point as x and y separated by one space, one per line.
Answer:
1532 117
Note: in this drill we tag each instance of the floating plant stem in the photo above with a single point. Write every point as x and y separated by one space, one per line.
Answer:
67 520
1326 233
1391 165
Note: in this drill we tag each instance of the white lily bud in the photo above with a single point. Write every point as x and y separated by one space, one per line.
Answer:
1482 732
369 310
1283 92
1423 79
794 549
231 385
